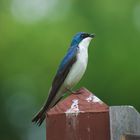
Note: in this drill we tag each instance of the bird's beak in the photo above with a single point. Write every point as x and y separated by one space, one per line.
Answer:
92 35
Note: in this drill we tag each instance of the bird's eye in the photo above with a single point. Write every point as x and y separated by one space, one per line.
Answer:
82 35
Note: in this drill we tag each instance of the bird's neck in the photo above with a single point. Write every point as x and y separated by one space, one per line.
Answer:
85 43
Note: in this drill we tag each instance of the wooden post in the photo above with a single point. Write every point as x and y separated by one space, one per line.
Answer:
124 123
80 116
83 116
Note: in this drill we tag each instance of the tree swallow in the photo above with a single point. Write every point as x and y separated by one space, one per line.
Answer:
69 72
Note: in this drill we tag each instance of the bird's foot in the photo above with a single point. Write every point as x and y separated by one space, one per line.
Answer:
73 92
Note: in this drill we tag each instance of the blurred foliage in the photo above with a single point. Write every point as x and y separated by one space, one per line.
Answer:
34 36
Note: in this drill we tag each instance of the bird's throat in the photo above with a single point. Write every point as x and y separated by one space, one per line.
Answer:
85 42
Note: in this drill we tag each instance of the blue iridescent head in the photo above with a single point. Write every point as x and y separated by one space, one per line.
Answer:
80 36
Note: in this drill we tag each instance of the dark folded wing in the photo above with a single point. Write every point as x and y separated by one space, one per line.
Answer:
59 78
61 74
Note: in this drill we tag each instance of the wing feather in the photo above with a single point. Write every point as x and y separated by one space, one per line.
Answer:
58 80
62 73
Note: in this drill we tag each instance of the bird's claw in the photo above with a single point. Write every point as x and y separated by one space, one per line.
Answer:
73 92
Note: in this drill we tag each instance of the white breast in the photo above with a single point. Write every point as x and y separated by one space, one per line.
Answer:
76 71
79 67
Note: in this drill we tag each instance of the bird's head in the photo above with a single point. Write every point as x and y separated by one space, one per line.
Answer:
82 37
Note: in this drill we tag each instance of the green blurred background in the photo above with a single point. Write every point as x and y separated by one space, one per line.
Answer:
34 36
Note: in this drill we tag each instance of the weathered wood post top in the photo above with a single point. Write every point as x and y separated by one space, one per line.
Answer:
81 116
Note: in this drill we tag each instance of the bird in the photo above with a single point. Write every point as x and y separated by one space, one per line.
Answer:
69 73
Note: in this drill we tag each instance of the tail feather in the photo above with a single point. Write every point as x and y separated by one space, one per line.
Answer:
39 117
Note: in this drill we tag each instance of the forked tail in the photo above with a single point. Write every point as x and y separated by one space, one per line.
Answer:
39 117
